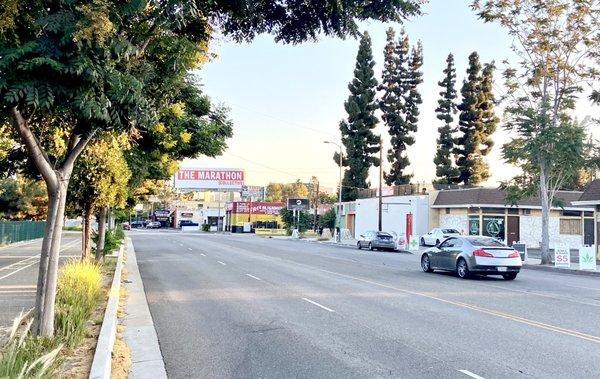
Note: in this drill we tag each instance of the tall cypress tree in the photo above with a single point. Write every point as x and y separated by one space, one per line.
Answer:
445 171
357 131
477 123
400 102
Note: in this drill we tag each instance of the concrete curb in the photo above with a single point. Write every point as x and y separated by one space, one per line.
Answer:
561 270
101 365
140 334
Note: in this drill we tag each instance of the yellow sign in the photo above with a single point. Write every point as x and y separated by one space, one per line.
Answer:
270 232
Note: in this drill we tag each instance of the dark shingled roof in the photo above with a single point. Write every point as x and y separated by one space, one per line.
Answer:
592 192
494 196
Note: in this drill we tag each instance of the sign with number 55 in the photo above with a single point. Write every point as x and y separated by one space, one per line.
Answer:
562 256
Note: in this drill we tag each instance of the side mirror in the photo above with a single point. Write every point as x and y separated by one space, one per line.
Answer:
362 236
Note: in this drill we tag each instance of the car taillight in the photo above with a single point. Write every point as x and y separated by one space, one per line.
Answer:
481 253
514 254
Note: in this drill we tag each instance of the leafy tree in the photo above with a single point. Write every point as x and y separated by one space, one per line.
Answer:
357 131
477 123
557 42
280 192
290 221
22 199
79 68
445 171
327 198
328 219
99 179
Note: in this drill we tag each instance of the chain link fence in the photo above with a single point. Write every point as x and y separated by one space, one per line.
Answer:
15 231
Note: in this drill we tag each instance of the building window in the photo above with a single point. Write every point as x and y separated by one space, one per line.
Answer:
526 212
493 226
571 213
473 210
473 225
447 211
588 214
513 211
570 226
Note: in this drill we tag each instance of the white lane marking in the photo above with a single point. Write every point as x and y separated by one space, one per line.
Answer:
17 291
318 305
204 255
17 263
222 263
189 248
254 277
14 272
472 375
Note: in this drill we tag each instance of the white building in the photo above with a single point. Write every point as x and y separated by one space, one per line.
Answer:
394 214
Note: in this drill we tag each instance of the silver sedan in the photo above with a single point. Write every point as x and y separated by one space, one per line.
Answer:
374 240
473 255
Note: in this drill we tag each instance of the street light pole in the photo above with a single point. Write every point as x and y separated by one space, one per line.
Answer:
339 208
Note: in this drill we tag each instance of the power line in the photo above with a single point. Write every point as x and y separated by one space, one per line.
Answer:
291 123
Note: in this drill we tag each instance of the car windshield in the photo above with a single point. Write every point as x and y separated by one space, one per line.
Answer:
486 242
449 231
383 234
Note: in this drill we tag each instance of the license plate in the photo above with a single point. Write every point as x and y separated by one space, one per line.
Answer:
502 269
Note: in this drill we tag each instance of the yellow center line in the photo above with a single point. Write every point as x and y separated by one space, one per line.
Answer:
537 324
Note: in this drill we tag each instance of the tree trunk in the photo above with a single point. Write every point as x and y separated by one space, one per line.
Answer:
87 231
47 319
49 229
544 198
101 233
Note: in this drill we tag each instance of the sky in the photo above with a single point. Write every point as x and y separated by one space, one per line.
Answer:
285 100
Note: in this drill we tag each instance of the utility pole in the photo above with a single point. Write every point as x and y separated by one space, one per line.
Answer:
316 207
339 205
380 182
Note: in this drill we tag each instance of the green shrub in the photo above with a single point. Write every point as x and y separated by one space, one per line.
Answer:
78 293
25 356
113 239
205 227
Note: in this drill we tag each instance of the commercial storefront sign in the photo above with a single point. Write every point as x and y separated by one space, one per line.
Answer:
562 256
587 260
257 207
209 178
413 244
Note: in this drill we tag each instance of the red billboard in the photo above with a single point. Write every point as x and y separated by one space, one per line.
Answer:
257 207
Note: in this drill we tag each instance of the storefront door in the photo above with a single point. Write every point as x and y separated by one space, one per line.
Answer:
512 230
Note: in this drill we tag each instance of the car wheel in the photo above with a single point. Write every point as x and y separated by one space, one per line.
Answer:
359 246
426 263
509 276
462 269
422 241
370 246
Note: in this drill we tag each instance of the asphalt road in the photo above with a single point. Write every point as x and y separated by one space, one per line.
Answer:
19 271
239 306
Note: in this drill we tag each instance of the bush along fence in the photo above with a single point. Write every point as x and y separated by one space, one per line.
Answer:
16 231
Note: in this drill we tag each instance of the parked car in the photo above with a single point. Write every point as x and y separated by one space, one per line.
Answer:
187 223
374 240
154 225
137 224
437 235
467 255
126 226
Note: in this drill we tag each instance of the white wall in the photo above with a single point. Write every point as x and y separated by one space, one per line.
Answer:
458 222
394 213
530 229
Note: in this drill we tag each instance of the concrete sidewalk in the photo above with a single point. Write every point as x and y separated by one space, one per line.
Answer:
534 264
140 334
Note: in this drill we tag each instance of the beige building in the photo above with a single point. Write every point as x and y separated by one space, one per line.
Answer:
482 211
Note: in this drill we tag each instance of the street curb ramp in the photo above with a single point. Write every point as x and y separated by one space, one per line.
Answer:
101 365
